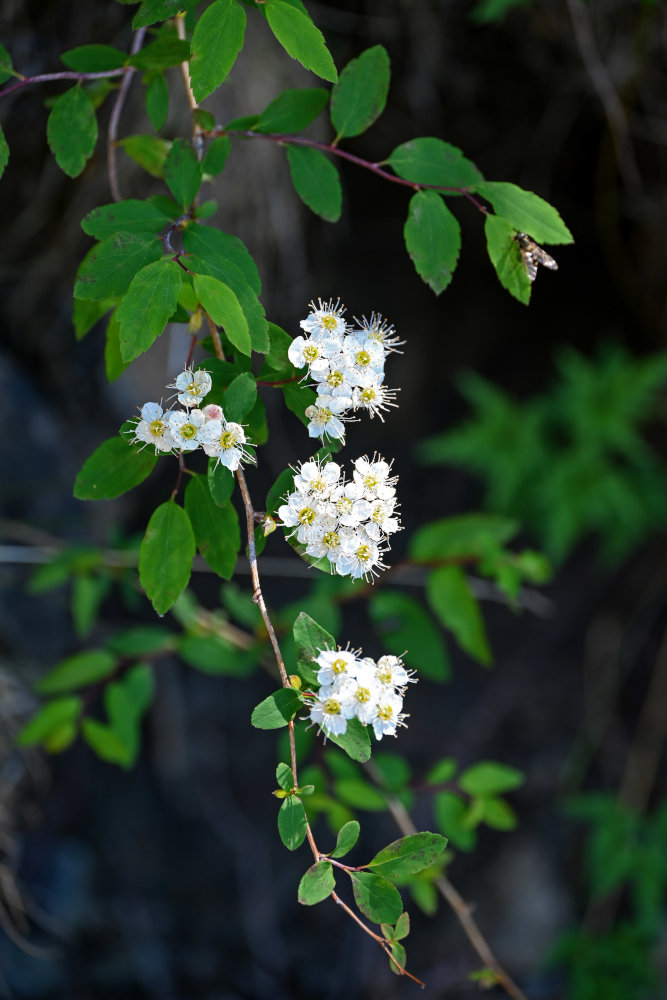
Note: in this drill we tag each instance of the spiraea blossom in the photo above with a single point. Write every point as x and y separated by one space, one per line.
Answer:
346 364
348 523
356 687
190 428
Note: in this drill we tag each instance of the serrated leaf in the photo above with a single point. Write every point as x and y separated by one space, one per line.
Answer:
151 11
292 823
216 155
94 58
346 838
317 883
298 397
149 151
166 554
49 719
505 256
293 110
464 536
404 624
453 602
221 482
216 42
77 671
300 38
222 249
408 855
276 710
157 99
309 640
525 211
129 216
216 528
167 50
4 152
428 160
433 239
377 898
106 272
240 397
489 777
355 741
113 469
284 776
71 130
224 308
360 95
182 172
316 181
147 306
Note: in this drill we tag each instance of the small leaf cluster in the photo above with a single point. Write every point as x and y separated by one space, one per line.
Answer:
572 461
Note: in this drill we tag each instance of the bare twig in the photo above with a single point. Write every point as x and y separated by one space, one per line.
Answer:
114 120
27 81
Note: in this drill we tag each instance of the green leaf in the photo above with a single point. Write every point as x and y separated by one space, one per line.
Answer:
167 50
240 397
220 482
6 68
377 898
346 838
402 927
147 306
355 741
283 485
49 719
488 777
140 641
77 671
317 883
216 155
216 528
113 469
293 110
88 592
276 710
223 250
394 771
399 956
106 272
309 640
224 308
212 654
94 58
433 239
292 822
464 536
157 99
280 343
360 794
113 361
525 211
216 42
149 151
85 315
454 604
71 130
450 813
499 815
300 38
182 172
166 554
298 397
442 772
106 743
129 216
506 259
409 855
360 95
159 10
404 624
431 161
316 181
284 776
4 152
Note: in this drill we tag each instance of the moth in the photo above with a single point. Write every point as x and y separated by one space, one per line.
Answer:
532 255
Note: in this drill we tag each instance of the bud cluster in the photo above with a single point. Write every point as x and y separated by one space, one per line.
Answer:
345 522
346 364
184 430
356 687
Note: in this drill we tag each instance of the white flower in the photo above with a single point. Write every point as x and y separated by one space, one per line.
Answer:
317 478
376 328
381 522
308 352
374 478
363 355
225 441
349 505
327 713
324 416
336 379
387 715
373 397
301 513
361 701
360 556
153 428
325 319
213 412
186 427
391 673
324 541
334 664
192 386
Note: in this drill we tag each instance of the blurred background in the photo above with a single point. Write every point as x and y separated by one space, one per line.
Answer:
169 881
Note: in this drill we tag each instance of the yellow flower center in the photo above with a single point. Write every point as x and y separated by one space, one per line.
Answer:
385 712
330 540
339 666
371 482
364 553
318 484
335 379
228 439
329 322
385 677
307 515
362 695
363 358
311 352
344 505
332 707
188 431
368 395
157 428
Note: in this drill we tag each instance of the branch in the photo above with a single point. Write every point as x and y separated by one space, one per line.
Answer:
114 120
27 81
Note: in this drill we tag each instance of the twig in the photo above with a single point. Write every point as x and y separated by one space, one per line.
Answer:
462 910
197 137
27 81
114 120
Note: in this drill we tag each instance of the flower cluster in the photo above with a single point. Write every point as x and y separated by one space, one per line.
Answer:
347 523
191 427
346 364
356 687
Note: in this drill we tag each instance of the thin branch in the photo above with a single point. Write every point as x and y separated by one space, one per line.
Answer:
27 81
197 136
114 120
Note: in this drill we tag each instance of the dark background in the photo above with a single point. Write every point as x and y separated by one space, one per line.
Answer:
171 881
